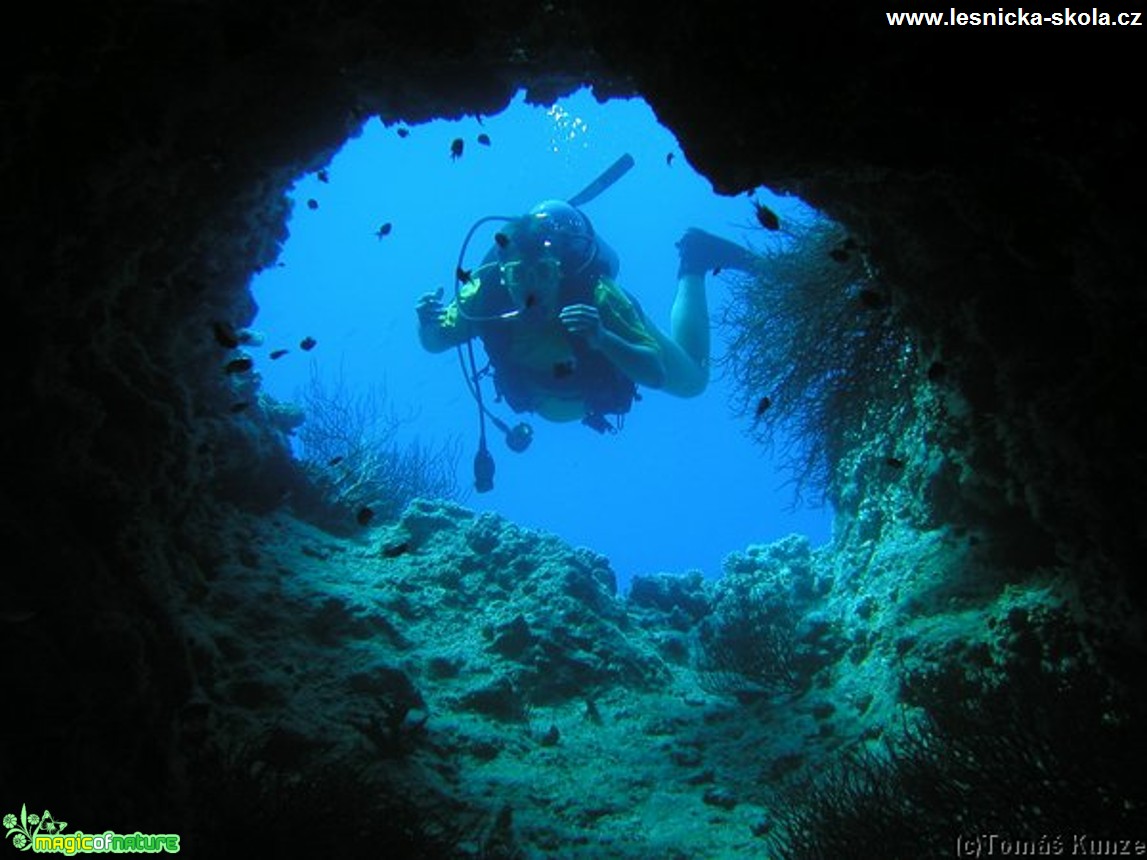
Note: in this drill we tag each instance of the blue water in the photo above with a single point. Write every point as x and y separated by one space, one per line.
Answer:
681 485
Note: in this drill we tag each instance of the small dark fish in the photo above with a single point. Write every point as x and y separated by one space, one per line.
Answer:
242 405
394 550
308 343
239 365
334 461
456 149
762 407
766 217
403 131
324 176
502 239
312 203
278 353
484 139
894 462
669 159
937 371
716 271
364 516
225 335
872 300
463 275
562 369
384 230
839 254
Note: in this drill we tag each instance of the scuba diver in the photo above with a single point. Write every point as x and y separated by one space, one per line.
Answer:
563 340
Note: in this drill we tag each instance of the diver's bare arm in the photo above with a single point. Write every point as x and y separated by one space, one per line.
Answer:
642 364
437 339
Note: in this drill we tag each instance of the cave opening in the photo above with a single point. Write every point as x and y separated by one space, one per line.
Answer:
185 662
382 223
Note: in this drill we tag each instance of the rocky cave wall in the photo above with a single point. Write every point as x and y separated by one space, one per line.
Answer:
145 155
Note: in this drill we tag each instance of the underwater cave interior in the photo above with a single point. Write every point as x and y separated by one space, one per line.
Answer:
191 655
876 677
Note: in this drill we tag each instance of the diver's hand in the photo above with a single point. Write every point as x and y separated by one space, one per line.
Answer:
430 310
584 321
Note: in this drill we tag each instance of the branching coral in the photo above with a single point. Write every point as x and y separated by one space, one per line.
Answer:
751 644
815 352
1045 757
352 453
747 651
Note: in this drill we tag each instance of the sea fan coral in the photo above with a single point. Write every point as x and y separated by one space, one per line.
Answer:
815 350
356 462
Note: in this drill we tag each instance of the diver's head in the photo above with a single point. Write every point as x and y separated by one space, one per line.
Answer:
533 286
533 278
550 242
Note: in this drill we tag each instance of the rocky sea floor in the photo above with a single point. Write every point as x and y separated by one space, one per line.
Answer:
492 677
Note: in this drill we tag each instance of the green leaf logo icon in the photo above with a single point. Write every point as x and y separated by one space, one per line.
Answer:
22 830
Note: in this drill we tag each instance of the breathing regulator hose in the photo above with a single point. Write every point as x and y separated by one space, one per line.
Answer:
518 437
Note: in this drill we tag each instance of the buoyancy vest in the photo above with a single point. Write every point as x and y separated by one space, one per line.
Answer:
539 366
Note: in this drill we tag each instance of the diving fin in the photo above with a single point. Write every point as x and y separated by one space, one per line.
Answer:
703 252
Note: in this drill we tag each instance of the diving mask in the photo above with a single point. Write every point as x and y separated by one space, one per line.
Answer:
532 283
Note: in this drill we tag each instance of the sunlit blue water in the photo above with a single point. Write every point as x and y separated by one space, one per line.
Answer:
680 486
